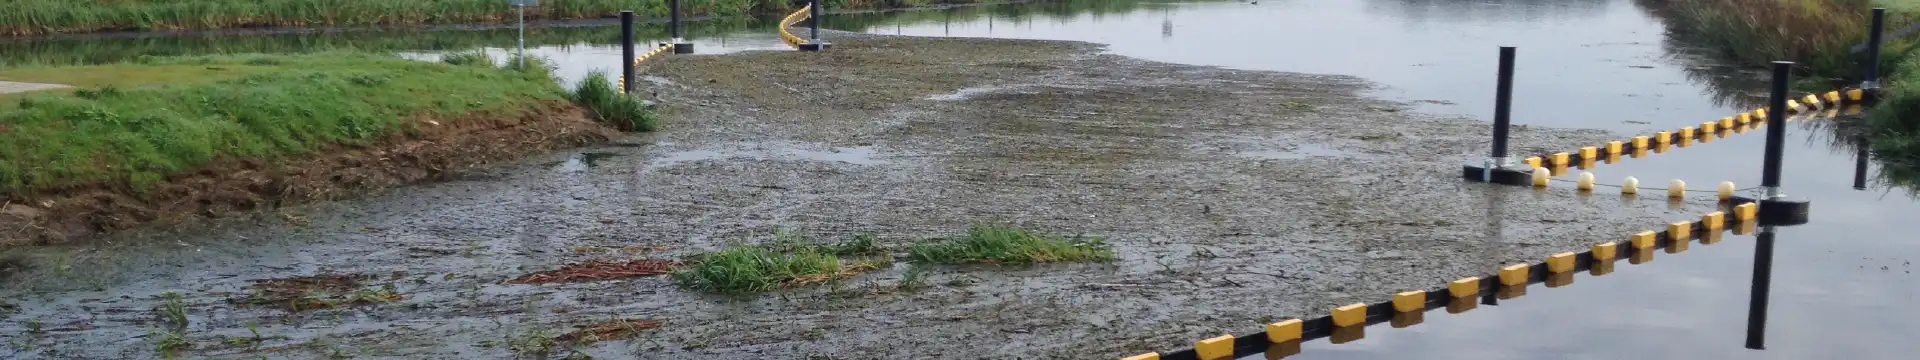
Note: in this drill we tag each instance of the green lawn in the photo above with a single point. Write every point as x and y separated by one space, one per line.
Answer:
133 124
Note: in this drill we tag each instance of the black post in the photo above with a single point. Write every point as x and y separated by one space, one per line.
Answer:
1503 105
813 20
626 50
813 24
1762 281
1776 129
1776 208
1860 164
673 25
1872 79
1494 169
673 22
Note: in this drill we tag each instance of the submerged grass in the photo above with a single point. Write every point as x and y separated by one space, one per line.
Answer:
750 269
1006 244
133 124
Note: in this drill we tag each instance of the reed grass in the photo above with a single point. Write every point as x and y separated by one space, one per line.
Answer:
1815 34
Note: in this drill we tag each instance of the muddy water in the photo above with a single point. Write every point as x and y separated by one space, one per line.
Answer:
1233 197
1839 283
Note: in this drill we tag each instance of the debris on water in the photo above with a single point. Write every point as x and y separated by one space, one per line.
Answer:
597 270
616 329
303 293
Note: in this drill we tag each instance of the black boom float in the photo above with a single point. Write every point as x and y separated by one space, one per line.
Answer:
1496 167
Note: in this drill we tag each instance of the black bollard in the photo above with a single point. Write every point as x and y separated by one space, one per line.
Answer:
1776 128
1860 164
813 20
1775 208
626 51
673 24
1872 78
1494 169
1762 284
1503 105
813 25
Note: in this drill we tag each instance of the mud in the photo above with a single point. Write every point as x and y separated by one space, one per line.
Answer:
436 149
1231 197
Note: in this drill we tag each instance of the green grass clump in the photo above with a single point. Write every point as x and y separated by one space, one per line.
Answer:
1005 244
749 269
598 94
142 121
467 58
1894 123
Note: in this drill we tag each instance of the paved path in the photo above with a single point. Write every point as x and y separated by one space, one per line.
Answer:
9 87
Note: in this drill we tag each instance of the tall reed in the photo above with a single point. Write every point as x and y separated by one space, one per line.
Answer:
1816 34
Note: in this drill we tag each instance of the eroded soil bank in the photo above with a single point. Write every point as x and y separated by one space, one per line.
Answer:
436 149
1232 198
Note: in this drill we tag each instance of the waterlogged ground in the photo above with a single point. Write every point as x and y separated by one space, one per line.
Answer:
1231 198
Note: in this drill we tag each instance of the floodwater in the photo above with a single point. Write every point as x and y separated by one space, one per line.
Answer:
1840 283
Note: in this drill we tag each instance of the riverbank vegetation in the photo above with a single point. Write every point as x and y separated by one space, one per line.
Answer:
1819 36
40 17
1815 34
164 137
131 125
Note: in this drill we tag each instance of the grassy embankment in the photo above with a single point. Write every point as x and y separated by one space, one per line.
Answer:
1818 35
128 126
87 51
34 17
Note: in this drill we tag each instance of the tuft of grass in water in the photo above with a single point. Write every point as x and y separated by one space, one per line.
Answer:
468 58
164 116
535 341
856 245
914 278
1006 244
609 106
750 269
170 342
173 310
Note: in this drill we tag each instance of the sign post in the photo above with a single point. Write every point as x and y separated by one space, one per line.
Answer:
520 52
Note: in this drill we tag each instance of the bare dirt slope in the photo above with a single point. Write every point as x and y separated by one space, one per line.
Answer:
1232 198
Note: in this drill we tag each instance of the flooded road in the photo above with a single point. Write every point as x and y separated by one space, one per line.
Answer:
1218 219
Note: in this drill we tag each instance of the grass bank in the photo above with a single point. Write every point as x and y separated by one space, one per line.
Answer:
1815 34
1819 35
127 128
37 17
